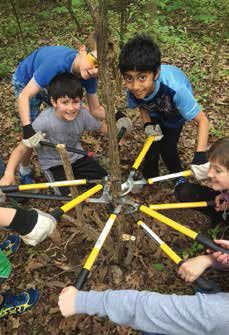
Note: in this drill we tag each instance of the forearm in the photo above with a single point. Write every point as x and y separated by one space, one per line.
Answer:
103 128
98 113
24 109
151 312
6 216
202 140
15 158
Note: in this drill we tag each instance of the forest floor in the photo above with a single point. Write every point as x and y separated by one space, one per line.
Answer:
50 266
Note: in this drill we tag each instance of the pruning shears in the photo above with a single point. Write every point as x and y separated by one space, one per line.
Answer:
201 282
199 237
65 183
130 183
84 273
58 212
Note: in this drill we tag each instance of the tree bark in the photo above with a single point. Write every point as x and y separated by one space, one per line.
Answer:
100 18
70 176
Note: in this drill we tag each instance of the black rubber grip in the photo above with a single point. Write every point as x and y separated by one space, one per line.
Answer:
41 196
56 213
210 244
70 149
211 203
205 284
121 133
82 278
10 188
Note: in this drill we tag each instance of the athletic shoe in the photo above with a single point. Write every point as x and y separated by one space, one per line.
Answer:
27 178
10 245
18 303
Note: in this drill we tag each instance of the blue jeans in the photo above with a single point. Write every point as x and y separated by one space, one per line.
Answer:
34 102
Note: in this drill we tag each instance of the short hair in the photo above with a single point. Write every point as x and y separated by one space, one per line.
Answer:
219 152
140 54
65 85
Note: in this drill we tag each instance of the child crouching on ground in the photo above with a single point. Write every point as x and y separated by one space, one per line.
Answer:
165 100
155 313
218 172
64 122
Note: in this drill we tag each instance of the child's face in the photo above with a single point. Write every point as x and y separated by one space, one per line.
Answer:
140 84
219 175
66 108
88 66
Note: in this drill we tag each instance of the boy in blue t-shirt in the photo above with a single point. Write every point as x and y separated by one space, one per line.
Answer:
164 97
31 79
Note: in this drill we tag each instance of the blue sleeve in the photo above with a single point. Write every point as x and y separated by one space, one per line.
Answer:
90 85
186 103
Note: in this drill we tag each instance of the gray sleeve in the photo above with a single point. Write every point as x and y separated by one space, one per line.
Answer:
198 314
90 123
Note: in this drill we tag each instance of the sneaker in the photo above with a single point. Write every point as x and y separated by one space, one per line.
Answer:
179 181
10 245
27 178
18 303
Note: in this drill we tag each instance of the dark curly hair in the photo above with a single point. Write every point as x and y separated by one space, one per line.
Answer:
140 54
65 85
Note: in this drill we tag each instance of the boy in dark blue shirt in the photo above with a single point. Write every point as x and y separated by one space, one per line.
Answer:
164 97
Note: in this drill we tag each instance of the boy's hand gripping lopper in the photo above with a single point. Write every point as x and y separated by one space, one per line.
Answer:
199 237
201 282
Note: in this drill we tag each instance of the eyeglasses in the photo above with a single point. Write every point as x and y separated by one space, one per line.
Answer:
92 59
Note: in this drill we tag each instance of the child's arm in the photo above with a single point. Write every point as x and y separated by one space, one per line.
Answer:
203 126
30 137
221 260
103 129
150 311
193 268
14 160
95 108
32 225
30 90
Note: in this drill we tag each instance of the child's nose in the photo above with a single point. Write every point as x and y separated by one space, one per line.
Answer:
210 173
135 84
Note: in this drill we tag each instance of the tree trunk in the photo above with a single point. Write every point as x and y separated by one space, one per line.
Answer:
99 16
70 176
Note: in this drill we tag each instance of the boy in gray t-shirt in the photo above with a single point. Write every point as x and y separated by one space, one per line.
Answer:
64 122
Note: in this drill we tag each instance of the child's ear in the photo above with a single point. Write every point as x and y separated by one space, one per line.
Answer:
53 102
156 75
